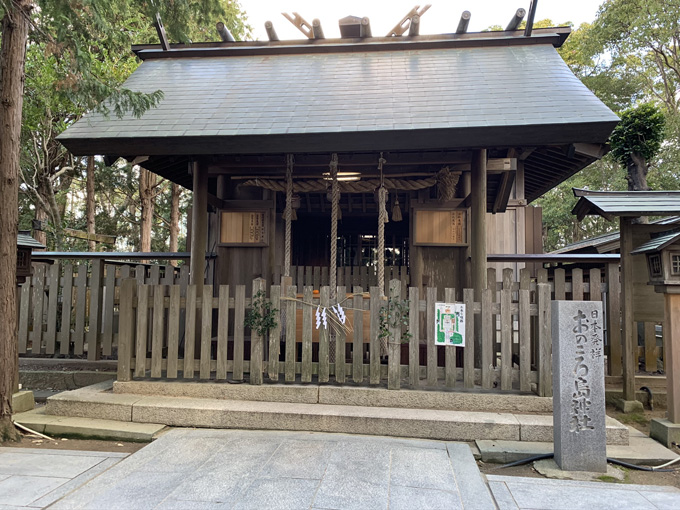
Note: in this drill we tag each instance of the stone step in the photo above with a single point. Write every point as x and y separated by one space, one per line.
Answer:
64 426
96 402
451 400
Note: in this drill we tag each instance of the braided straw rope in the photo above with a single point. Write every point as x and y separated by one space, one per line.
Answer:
289 212
366 186
335 199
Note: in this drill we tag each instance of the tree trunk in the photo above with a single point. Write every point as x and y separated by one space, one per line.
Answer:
174 219
40 215
89 203
12 61
637 173
147 184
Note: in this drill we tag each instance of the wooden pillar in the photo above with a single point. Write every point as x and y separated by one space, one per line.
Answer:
671 353
467 277
629 330
478 238
478 222
199 224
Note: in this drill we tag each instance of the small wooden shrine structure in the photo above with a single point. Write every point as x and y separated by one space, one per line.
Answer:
452 127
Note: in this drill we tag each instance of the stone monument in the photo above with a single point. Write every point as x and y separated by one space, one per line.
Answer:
580 441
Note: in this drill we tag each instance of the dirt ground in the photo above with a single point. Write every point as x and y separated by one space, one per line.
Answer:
89 445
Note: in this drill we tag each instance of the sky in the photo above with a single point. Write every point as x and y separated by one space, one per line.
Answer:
441 18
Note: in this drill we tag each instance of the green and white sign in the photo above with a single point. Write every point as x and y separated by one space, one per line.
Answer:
450 324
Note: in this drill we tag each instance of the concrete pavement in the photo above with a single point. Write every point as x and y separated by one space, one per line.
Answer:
32 478
241 469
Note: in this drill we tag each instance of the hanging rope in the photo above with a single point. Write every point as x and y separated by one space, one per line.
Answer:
382 219
289 207
335 199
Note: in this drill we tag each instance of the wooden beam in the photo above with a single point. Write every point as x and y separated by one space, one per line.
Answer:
344 160
530 21
594 150
224 32
317 30
160 30
516 20
97 238
405 22
300 23
477 245
464 22
414 27
199 223
671 352
271 33
629 330
365 29
478 222
503 195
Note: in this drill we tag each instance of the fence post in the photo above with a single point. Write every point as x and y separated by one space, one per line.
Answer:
126 332
96 290
394 344
256 377
544 341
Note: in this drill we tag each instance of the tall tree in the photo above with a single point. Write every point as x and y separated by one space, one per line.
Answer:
66 28
15 24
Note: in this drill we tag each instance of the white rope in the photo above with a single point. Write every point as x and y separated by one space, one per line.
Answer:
335 199
289 206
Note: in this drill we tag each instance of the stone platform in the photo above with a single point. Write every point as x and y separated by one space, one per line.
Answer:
406 413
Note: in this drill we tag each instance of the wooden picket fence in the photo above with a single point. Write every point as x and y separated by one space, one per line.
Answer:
72 309
214 344
348 276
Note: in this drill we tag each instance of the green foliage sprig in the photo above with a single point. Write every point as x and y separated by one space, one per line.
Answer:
261 318
640 131
395 314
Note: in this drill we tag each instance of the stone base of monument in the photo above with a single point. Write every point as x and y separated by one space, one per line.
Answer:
629 406
665 432
550 469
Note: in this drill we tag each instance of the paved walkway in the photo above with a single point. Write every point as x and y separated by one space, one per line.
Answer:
235 469
32 478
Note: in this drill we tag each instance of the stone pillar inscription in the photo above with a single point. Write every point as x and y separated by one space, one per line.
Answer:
578 386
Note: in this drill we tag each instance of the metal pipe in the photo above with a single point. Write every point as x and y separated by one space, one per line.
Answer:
464 22
414 28
271 33
224 33
317 30
516 20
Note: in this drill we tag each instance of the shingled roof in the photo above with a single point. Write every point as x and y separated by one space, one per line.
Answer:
425 93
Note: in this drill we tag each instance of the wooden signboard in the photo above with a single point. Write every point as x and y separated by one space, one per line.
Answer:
244 228
440 227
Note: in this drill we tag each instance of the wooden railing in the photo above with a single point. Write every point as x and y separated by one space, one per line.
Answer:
214 344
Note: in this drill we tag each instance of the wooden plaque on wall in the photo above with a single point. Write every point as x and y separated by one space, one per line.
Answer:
244 228
440 227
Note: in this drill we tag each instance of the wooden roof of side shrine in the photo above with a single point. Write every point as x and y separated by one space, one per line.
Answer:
421 98
629 204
